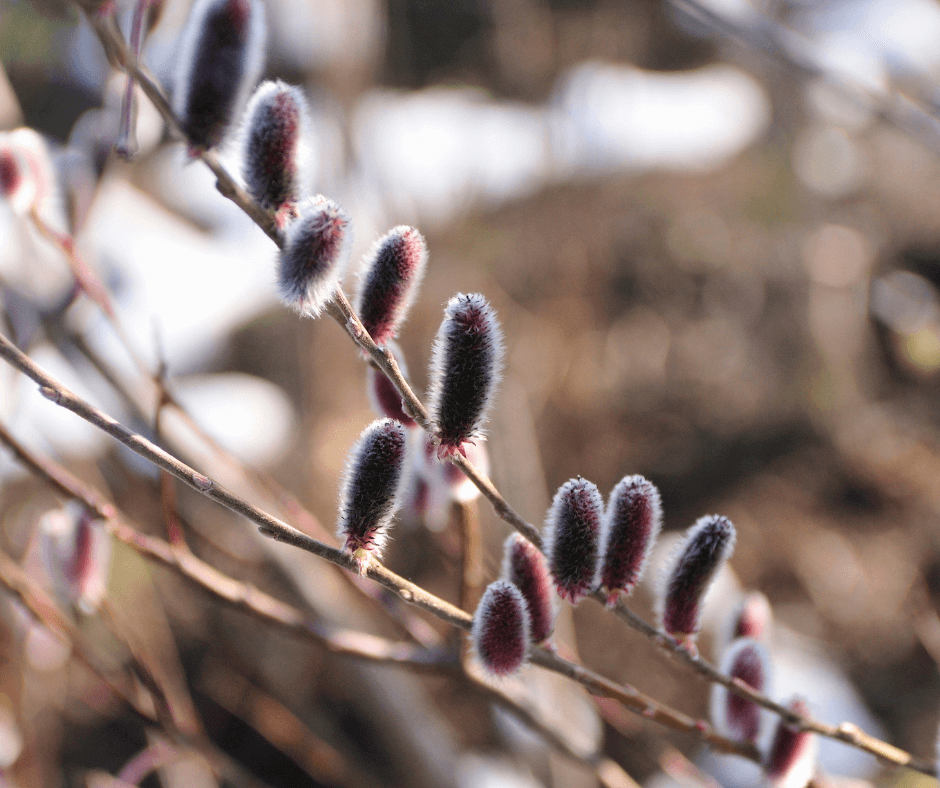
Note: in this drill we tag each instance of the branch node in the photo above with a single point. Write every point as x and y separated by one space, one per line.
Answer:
204 483
50 393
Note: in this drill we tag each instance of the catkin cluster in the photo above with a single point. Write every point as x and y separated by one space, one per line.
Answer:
589 546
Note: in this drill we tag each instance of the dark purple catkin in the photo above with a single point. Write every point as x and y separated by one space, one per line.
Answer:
791 761
385 399
315 253
372 489
391 274
707 545
571 538
734 716
500 632
524 567
275 126
466 362
219 61
631 524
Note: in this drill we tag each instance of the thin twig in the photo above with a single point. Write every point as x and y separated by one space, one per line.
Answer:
406 590
341 310
243 596
43 610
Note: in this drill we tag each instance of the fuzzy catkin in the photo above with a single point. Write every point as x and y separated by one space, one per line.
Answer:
500 633
391 275
571 538
524 567
372 489
732 715
791 761
315 253
708 544
632 521
219 61
466 362
275 124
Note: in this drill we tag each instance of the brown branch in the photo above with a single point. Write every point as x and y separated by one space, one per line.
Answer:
342 312
243 596
406 590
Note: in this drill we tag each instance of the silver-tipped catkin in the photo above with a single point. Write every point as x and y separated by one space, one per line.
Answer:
524 567
707 545
391 275
372 489
466 362
219 61
500 634
274 147
732 715
571 538
314 257
791 762
632 521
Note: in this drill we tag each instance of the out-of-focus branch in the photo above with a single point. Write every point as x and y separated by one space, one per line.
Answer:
112 40
758 31
342 312
406 590
43 610
243 596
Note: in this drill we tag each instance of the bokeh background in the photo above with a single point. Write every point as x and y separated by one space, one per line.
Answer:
712 234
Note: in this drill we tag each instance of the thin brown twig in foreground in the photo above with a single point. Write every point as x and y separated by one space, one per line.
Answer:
406 590
243 596
43 610
341 310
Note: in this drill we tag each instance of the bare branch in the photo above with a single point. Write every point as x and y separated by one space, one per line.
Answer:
406 590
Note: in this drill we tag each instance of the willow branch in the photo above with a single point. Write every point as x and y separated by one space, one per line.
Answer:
343 313
240 595
409 592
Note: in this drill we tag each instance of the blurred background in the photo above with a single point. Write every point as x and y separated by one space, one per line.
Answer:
711 231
